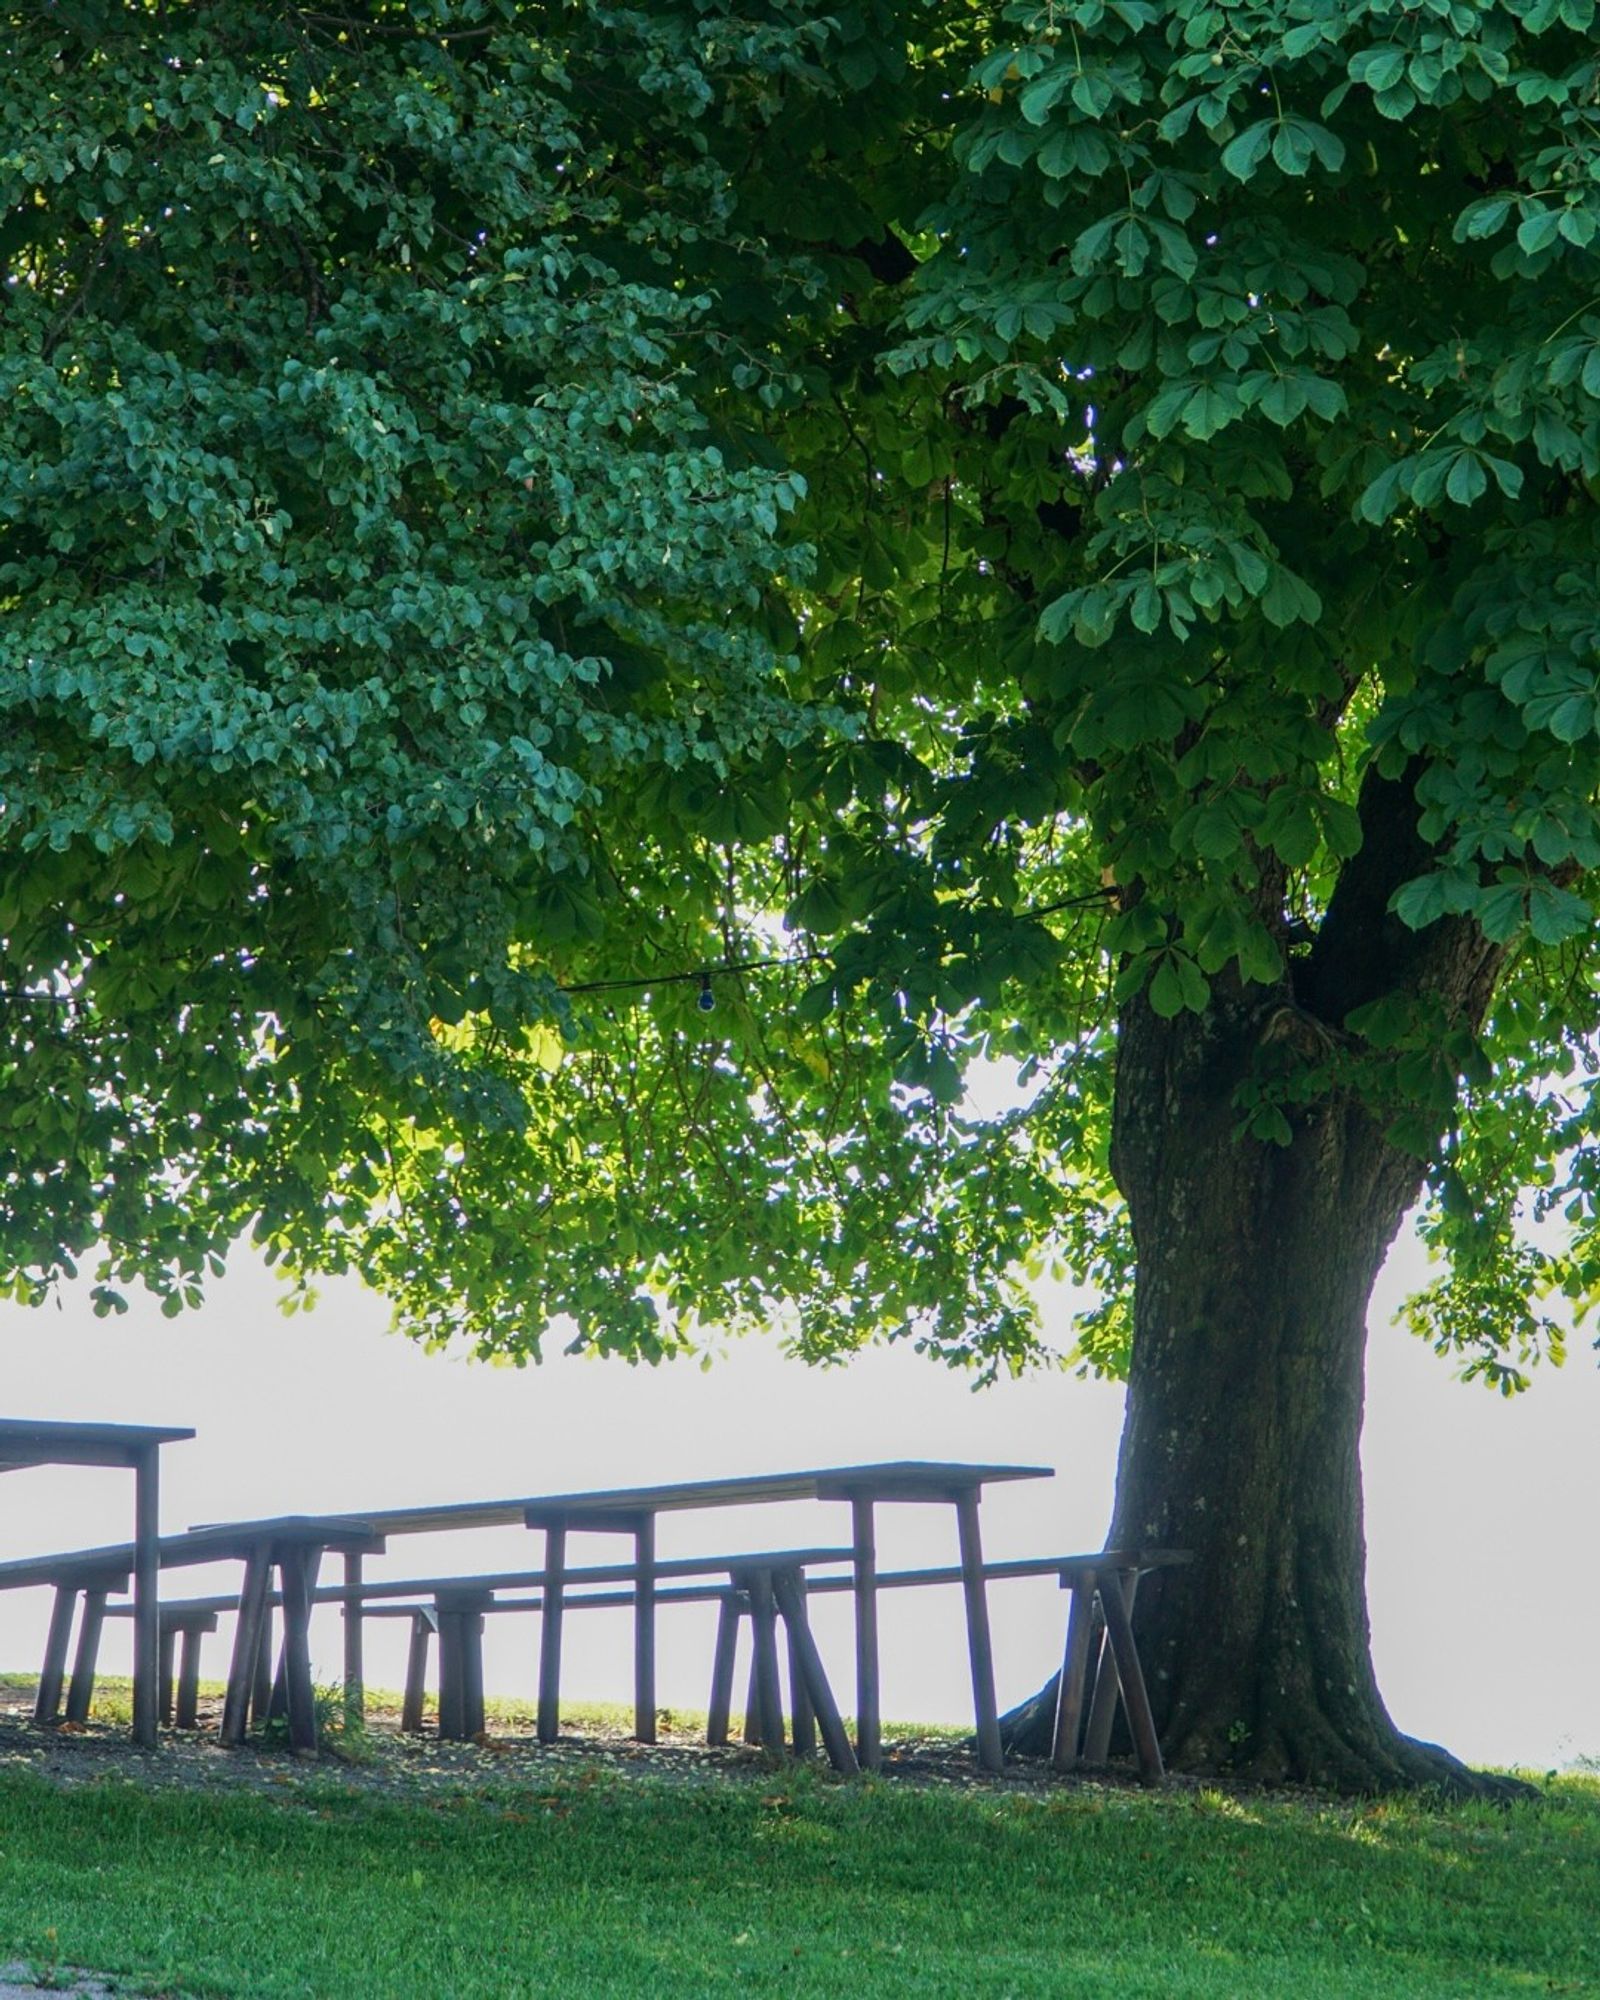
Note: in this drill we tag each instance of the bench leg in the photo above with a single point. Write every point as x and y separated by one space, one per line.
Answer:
791 1596
769 1696
979 1647
472 1717
555 1563
1074 1666
242 1673
188 1703
752 1703
722 1664
1135 1699
869 1746
422 1626
802 1715
452 1706
1107 1686
166 1653
47 1703
268 1689
81 1691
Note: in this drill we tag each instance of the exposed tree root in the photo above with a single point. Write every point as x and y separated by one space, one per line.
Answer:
1306 1750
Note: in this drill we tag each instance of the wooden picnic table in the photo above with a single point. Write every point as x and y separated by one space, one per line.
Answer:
634 1510
138 1447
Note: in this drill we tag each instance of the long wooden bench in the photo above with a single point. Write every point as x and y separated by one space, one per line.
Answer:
1099 1627
453 1608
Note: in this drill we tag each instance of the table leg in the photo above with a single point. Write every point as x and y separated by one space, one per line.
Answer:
146 1593
644 1630
246 1645
789 1588
1074 1666
869 1747
722 1665
555 1563
1135 1699
53 1670
979 1647
296 1566
1107 1687
423 1624
355 1694
81 1691
169 1654
188 1704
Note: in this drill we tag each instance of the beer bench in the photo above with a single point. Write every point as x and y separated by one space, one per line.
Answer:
1099 1624
770 1585
292 1545
452 1608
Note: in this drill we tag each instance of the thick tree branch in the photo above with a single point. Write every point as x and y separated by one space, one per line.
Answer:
1363 951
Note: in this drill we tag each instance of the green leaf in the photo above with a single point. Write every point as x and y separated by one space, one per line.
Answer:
1288 598
1283 399
1502 911
1379 68
1482 219
1145 610
1467 479
1538 229
1241 156
1291 148
1178 984
1556 915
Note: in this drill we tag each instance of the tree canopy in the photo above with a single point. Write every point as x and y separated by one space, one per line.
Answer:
929 515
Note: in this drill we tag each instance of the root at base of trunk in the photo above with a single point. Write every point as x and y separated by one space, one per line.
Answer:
1309 1752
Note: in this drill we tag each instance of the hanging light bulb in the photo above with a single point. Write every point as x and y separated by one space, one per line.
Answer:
707 999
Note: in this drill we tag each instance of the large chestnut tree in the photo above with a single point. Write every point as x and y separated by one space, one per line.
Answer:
1052 543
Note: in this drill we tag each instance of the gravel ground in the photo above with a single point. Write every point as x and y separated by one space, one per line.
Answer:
18 1983
380 1762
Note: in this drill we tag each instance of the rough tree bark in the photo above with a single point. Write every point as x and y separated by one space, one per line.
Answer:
1255 1268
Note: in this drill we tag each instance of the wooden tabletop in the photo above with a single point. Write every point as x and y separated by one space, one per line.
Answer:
24 1443
901 1479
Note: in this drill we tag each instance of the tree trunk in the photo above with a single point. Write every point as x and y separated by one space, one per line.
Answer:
1241 1443
1255 1269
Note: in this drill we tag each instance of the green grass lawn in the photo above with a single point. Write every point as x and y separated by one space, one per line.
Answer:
610 1886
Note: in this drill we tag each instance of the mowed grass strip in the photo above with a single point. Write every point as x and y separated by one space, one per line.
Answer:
624 1888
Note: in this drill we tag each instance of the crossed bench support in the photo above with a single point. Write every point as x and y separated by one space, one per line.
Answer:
765 1593
1117 1673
